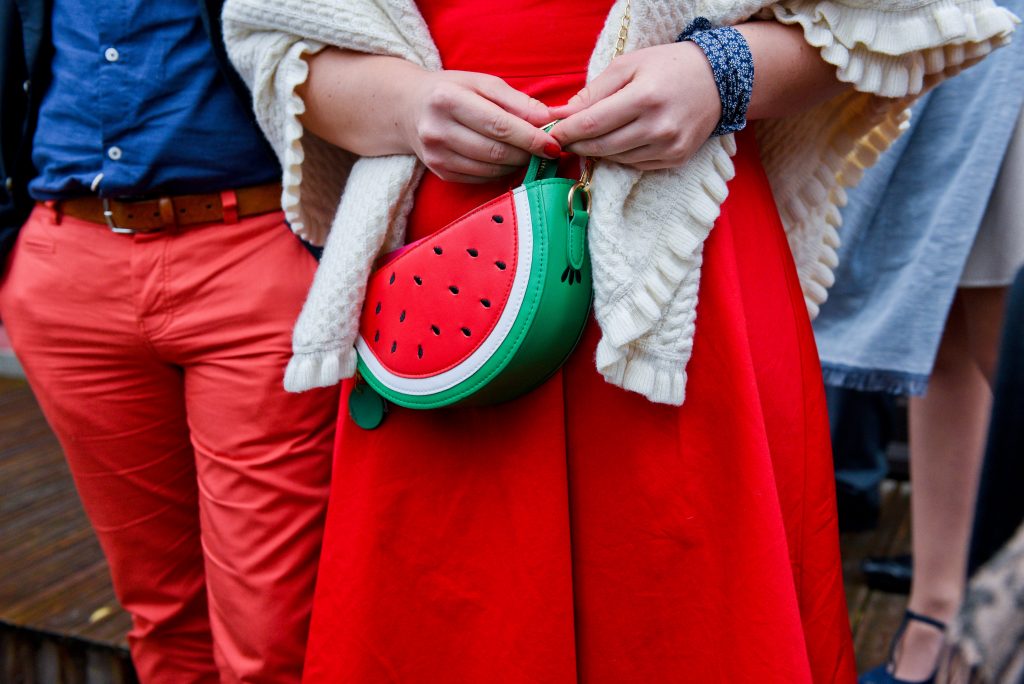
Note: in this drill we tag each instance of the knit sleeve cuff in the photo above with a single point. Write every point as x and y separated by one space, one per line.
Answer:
370 219
307 161
899 52
659 378
319 368
653 304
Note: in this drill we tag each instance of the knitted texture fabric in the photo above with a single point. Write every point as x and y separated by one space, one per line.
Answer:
647 228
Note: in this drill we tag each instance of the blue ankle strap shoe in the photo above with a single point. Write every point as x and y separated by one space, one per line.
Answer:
883 673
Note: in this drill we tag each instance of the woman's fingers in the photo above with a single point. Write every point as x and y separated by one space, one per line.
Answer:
610 81
494 123
455 167
467 125
477 112
637 155
609 127
472 145
608 114
515 102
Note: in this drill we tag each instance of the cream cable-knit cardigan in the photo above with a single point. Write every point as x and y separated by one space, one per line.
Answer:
647 228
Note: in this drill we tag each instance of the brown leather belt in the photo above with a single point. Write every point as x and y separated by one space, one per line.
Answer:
159 213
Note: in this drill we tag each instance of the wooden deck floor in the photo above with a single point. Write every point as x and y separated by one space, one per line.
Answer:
59 621
875 615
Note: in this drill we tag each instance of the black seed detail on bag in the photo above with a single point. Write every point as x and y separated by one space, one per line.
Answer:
466 331
565 273
473 253
376 336
500 265
453 289
437 250
419 350
401 317
377 310
435 329
394 346
391 281
486 303
419 281
497 218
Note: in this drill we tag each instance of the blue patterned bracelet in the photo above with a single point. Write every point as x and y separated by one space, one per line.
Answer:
733 66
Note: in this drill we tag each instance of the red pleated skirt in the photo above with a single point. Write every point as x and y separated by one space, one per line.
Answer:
582 533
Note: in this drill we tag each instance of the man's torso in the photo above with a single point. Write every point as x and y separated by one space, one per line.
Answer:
138 105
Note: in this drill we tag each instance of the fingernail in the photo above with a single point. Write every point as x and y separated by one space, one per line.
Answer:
552 150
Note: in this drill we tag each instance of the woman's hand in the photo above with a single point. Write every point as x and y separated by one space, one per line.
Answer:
472 127
464 126
653 108
650 109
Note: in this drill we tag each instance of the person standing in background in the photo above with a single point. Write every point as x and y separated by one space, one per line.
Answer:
932 240
986 640
150 297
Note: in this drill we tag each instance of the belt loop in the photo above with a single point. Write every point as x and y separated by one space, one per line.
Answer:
54 206
167 217
229 205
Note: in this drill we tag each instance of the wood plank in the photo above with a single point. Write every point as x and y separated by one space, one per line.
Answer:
883 611
880 542
55 579
72 662
875 615
28 657
103 668
65 604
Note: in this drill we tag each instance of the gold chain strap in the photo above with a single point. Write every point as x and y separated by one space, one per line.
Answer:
620 44
583 185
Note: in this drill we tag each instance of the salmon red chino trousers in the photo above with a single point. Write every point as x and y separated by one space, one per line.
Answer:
158 361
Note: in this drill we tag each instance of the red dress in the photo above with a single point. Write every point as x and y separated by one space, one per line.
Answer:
582 533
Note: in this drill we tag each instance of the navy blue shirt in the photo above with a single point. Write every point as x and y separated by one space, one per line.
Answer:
138 96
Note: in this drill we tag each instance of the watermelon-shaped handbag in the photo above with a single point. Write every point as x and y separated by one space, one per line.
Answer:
483 310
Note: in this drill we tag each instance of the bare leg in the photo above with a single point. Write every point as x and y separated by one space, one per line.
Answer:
984 308
947 437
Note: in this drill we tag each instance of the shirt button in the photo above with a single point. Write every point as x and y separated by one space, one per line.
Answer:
111 54
26 85
9 184
114 153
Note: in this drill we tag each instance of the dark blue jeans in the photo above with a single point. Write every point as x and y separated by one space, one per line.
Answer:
862 424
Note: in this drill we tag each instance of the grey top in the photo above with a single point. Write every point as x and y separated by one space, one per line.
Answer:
910 225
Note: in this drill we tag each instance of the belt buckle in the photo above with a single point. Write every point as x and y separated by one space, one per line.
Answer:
108 214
